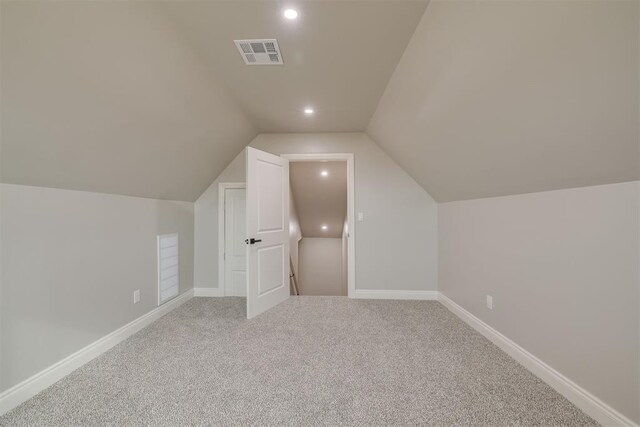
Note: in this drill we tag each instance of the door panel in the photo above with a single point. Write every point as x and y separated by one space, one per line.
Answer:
270 268
270 197
268 225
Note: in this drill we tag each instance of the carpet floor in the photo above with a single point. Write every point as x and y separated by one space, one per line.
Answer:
310 361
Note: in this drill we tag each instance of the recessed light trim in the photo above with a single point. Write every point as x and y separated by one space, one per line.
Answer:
308 111
324 173
324 227
290 14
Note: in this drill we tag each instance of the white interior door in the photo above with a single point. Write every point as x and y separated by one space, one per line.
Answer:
267 231
235 252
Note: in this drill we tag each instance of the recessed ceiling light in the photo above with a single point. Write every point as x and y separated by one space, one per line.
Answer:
324 227
324 173
308 111
291 14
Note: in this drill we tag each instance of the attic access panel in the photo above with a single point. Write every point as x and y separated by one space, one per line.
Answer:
260 51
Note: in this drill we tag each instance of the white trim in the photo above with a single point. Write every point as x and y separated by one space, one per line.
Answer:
222 187
28 388
351 196
386 294
208 292
590 404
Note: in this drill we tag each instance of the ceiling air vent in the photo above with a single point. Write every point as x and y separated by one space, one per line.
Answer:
260 52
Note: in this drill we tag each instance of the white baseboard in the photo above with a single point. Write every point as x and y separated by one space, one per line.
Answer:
28 388
590 404
379 294
208 292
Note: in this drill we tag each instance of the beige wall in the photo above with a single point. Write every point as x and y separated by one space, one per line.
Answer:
396 244
294 234
562 267
345 258
72 260
205 274
321 266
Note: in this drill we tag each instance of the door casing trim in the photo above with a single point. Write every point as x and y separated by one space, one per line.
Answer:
349 158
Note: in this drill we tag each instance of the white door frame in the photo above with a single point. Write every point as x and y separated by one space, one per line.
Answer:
222 188
349 159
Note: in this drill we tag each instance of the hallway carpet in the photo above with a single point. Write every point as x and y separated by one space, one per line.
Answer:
310 361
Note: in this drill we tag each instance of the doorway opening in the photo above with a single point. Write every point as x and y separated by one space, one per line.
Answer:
321 228
256 259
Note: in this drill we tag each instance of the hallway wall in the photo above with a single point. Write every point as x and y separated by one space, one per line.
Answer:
294 235
321 266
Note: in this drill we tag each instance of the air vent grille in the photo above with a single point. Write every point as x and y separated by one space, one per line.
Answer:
259 52
168 260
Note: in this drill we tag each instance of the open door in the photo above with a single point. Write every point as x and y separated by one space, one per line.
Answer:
267 231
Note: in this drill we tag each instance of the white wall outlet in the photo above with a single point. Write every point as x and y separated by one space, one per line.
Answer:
360 216
489 302
136 296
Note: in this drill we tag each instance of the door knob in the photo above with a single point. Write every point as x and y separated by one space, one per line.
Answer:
252 241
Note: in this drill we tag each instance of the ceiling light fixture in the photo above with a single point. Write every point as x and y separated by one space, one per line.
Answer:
324 227
308 111
324 173
291 14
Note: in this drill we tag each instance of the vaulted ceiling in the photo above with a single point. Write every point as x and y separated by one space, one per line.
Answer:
106 96
506 97
338 57
472 98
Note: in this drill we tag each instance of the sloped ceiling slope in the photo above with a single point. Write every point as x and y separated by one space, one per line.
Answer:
498 98
107 97
319 199
338 56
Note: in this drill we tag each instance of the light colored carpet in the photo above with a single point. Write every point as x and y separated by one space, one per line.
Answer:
310 361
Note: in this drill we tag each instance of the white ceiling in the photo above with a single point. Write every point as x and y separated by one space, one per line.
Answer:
319 200
495 98
338 56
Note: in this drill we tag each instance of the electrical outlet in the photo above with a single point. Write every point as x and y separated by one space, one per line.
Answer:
489 302
136 296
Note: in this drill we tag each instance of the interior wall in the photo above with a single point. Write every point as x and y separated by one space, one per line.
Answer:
205 273
295 235
72 261
1 273
321 266
345 257
562 267
396 244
